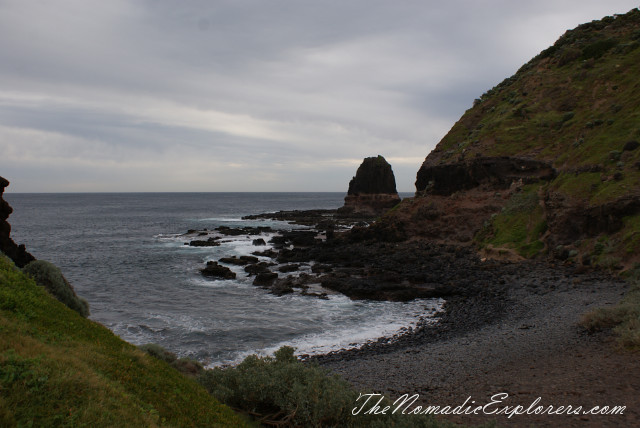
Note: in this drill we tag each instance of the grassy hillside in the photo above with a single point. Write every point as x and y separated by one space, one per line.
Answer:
576 105
60 369
572 104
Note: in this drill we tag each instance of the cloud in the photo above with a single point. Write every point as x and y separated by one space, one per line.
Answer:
249 95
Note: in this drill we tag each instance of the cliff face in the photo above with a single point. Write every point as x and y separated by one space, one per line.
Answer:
490 172
373 189
546 162
15 252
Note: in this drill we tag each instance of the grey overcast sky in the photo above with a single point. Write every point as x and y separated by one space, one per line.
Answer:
250 95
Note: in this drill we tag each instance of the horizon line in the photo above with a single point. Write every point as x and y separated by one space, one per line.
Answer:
178 191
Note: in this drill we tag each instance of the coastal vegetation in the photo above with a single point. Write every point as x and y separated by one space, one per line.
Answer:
623 319
521 224
58 368
50 277
282 391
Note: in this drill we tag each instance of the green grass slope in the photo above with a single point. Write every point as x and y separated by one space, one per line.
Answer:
576 105
572 104
60 369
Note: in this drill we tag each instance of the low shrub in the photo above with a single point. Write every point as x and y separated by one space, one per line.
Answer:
281 391
186 366
597 49
623 319
158 352
49 276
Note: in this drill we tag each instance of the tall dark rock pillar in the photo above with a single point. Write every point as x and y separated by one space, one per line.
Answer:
15 252
372 191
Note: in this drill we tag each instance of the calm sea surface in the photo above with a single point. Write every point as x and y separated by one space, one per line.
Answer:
124 254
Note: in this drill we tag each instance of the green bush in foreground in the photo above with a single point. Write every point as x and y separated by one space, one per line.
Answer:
50 277
281 391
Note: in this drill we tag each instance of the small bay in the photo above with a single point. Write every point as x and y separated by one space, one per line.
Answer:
126 254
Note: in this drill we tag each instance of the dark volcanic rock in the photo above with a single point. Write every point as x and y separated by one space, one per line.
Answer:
259 242
213 269
289 268
497 172
374 175
17 253
300 238
278 241
286 285
373 189
233 231
320 268
631 145
569 220
388 271
281 287
211 242
241 261
266 253
257 268
265 278
305 217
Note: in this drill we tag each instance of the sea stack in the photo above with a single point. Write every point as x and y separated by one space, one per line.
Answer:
372 191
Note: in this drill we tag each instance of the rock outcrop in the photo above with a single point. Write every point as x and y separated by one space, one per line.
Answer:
215 270
15 252
493 172
372 191
570 220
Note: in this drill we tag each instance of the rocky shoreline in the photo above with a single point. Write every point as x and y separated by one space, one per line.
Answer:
534 298
530 327
496 313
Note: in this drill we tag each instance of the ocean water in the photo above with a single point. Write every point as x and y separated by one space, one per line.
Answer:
125 254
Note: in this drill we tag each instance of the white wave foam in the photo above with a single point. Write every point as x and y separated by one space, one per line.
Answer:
220 283
387 323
